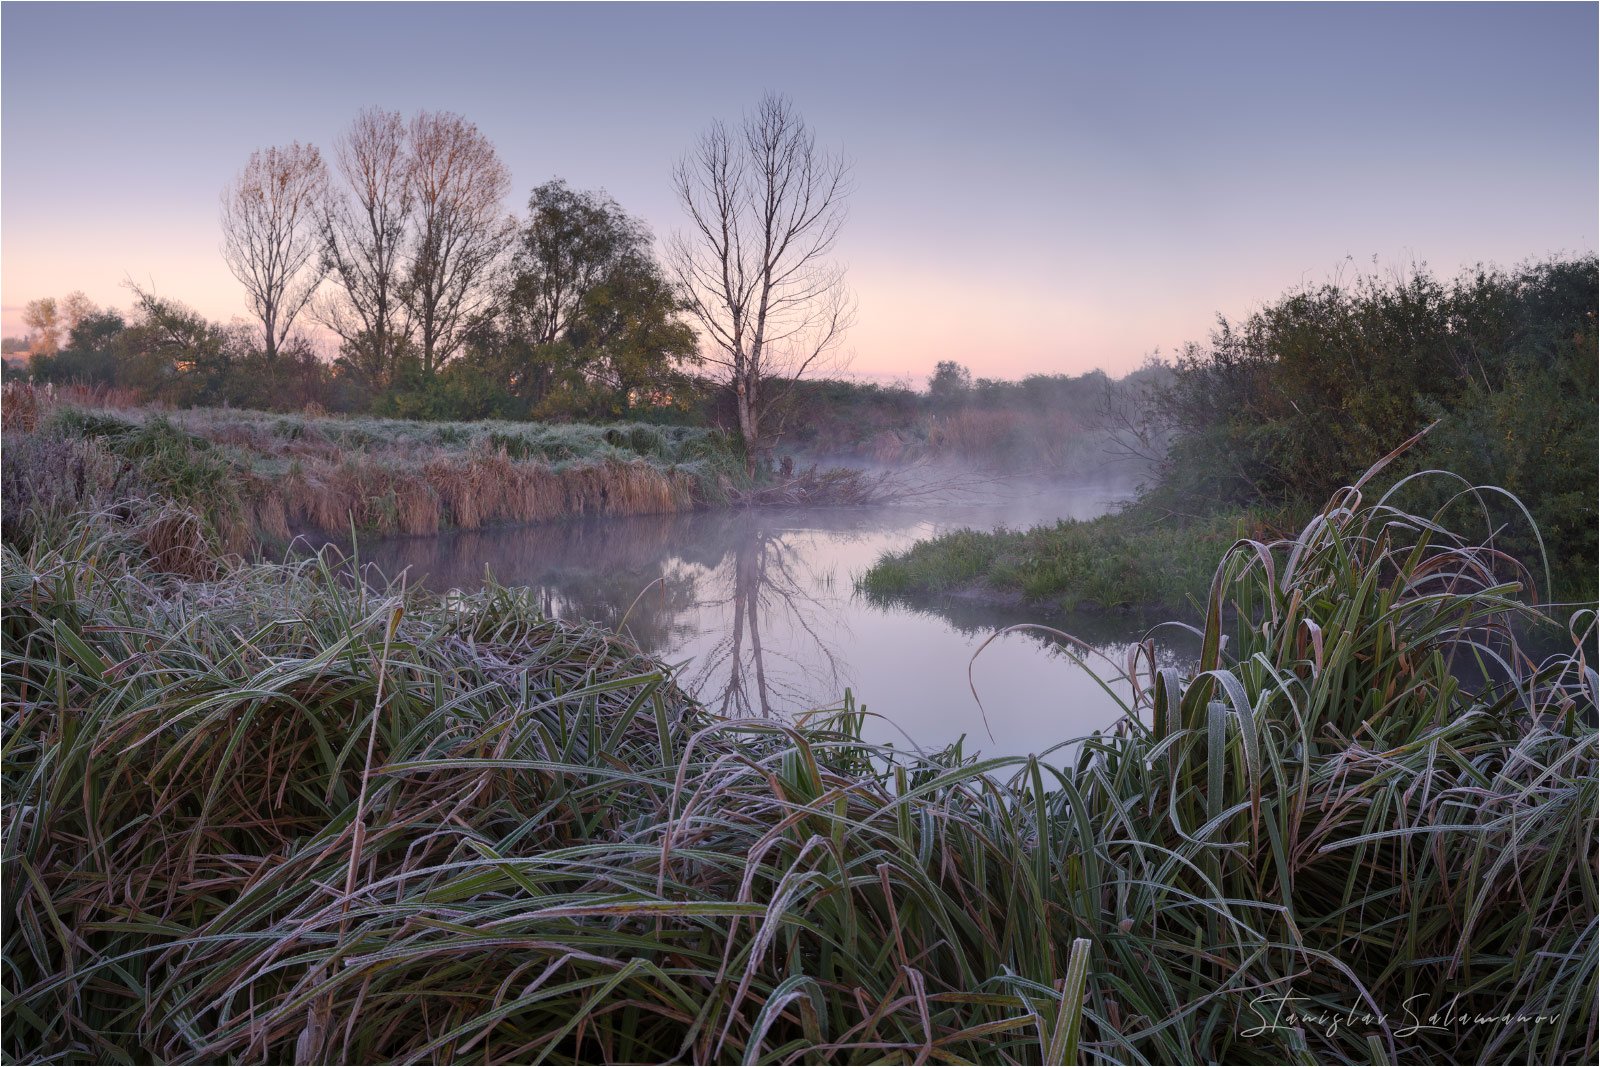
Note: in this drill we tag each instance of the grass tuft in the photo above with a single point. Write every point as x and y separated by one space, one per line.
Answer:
274 815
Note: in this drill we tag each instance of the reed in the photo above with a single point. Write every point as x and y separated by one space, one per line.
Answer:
257 478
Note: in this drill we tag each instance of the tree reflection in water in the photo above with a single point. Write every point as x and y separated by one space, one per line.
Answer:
716 584
757 610
763 580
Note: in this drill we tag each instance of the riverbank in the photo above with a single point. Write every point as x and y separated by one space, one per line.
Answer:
276 816
1489 375
249 478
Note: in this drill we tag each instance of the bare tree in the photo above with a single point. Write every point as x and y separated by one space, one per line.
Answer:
765 207
364 231
459 185
269 234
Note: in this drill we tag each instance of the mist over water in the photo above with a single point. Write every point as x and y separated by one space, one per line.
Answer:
758 612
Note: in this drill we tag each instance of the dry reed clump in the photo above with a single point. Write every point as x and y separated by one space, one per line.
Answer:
51 480
268 510
361 492
468 491
48 478
19 406
178 541
23 405
621 489
486 486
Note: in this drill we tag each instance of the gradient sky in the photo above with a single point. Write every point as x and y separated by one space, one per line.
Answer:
1039 189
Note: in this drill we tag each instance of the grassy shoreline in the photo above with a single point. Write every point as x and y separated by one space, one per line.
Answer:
273 816
1130 560
255 475
247 479
1489 375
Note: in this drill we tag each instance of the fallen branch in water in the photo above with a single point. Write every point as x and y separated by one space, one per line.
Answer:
833 486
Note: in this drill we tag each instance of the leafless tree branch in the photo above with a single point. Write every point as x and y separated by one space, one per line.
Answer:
269 234
765 207
364 230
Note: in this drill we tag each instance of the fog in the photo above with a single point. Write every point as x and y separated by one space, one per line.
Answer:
758 613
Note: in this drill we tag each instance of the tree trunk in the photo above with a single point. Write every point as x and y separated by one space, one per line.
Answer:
749 430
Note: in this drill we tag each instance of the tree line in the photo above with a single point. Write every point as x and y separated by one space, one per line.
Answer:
397 245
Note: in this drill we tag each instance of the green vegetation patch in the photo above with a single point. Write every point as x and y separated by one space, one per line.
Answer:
1131 559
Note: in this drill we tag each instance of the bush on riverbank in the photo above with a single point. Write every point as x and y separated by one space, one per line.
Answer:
276 816
1279 410
1283 407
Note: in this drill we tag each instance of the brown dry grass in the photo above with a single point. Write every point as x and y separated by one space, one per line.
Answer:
463 491
178 541
23 404
400 479
19 406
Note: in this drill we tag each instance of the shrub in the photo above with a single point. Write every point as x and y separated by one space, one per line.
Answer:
1297 399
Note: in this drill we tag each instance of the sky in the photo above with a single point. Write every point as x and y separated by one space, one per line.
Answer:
1038 188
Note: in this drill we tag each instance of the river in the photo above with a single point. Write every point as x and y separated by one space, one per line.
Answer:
757 610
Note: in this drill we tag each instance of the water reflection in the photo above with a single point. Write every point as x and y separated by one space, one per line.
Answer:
757 610
763 578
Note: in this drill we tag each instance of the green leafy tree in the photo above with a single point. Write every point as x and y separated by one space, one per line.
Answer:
573 241
173 353
631 330
949 383
89 356
587 321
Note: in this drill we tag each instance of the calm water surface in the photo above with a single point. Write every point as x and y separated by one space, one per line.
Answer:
759 612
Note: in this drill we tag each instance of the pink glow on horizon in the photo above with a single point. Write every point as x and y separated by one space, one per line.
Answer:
908 320
1038 188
